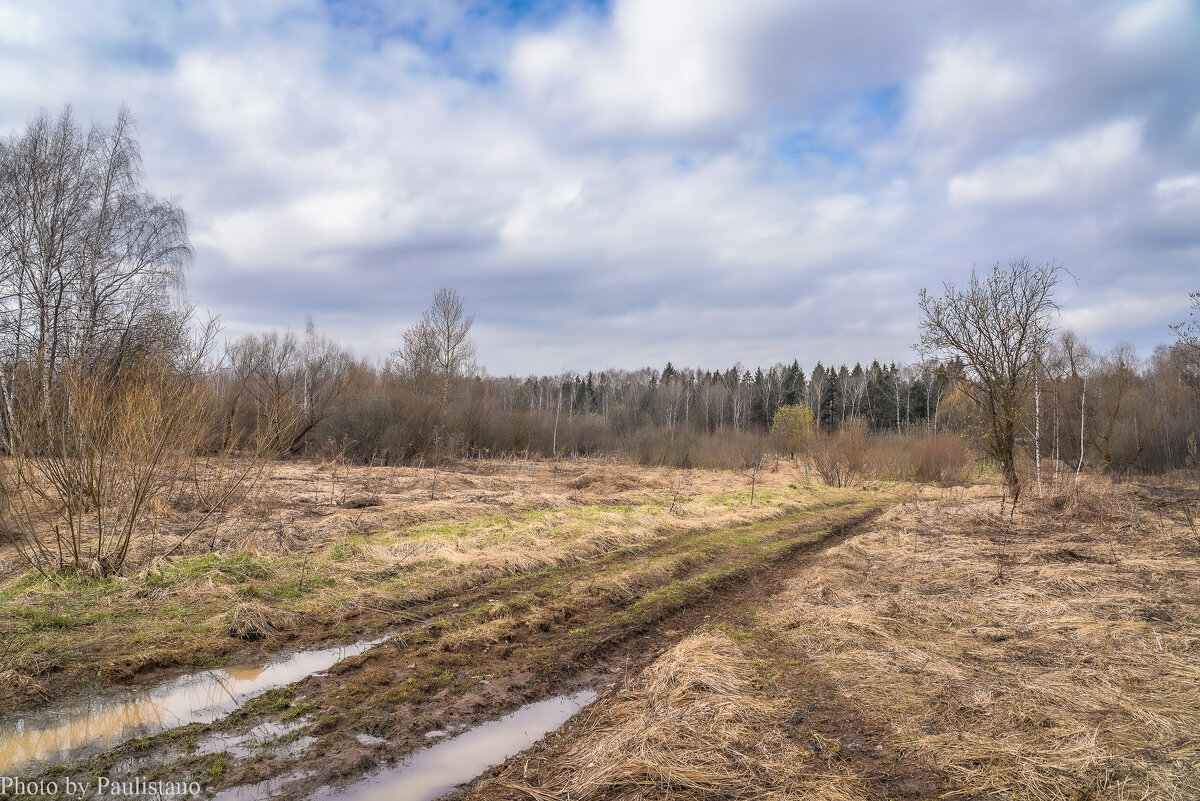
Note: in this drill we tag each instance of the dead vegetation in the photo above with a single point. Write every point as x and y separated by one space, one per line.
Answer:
256 621
1056 657
315 551
694 725
949 651
1053 654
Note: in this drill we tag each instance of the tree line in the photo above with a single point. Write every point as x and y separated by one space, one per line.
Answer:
1114 410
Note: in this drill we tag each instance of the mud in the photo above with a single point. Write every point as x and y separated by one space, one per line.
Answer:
374 709
433 772
82 726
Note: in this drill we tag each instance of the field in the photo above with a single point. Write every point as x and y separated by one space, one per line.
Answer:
877 641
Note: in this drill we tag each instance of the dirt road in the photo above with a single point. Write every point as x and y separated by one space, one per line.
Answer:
458 660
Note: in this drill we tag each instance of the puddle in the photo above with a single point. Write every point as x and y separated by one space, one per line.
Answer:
263 736
76 728
438 769
262 791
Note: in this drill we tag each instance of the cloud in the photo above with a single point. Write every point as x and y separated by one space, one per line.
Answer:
1071 172
627 183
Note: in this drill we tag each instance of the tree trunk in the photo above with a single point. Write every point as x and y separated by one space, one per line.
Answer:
1082 407
1037 424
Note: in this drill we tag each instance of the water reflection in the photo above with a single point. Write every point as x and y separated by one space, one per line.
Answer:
435 771
91 724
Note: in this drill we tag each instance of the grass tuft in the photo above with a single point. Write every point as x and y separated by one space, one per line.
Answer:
255 621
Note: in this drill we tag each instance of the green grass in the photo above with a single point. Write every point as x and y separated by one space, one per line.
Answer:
218 764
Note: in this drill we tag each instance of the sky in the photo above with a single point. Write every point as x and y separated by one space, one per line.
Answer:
619 184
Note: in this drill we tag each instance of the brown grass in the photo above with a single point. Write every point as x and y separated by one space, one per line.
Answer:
293 550
851 455
18 689
305 507
1056 659
255 621
694 725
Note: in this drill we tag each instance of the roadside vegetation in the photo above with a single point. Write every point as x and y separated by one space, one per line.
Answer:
1054 655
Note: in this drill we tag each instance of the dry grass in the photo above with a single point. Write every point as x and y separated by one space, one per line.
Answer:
17 688
329 545
511 515
694 725
304 504
255 621
1058 658
497 517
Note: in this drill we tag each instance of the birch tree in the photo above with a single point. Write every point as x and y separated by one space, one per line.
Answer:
90 263
438 348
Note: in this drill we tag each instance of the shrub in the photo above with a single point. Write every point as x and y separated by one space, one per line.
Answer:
842 459
721 449
791 429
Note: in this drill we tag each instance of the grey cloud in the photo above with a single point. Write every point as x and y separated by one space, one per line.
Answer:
346 168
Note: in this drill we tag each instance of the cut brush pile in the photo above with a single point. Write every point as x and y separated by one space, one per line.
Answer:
1053 656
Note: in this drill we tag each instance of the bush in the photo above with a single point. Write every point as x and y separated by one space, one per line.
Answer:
723 449
938 459
852 454
791 429
99 454
842 459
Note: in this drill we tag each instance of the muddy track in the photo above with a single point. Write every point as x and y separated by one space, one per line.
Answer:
822 717
510 640
375 617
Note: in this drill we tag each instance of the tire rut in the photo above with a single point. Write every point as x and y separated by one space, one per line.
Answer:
367 695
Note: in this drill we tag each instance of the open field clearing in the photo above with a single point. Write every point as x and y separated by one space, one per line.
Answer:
898 642
322 552
552 585
939 653
830 431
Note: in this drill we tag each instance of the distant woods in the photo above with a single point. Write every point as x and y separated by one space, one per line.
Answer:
1133 413
1060 406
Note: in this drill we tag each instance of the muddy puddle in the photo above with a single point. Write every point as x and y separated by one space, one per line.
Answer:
434 771
83 726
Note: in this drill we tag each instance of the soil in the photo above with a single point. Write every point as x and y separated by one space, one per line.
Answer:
444 672
828 724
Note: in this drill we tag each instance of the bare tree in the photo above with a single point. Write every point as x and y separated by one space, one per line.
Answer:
439 347
90 263
1188 334
435 353
1122 415
294 383
997 326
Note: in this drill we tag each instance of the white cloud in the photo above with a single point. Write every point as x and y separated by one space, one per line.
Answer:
1151 23
1075 170
665 66
1112 316
969 97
